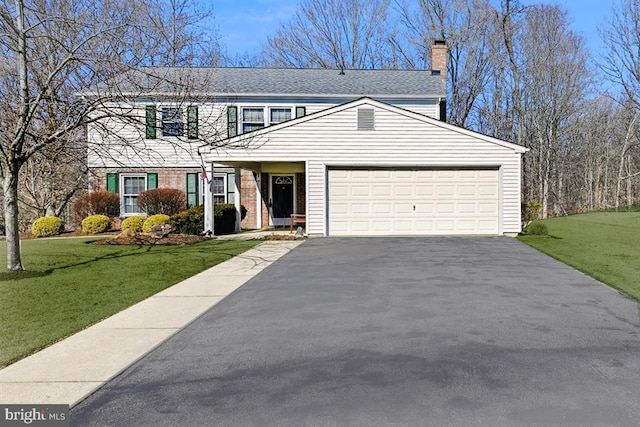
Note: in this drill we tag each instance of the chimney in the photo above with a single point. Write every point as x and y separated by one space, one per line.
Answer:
439 55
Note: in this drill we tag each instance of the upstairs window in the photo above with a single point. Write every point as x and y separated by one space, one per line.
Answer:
252 119
172 122
279 115
258 117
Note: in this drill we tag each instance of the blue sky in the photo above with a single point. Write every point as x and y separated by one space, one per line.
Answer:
244 24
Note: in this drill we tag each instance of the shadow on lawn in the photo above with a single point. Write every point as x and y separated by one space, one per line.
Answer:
124 253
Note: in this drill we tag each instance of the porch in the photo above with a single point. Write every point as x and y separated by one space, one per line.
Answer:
271 193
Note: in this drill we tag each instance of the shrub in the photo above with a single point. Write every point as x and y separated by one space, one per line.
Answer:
531 210
96 224
536 228
47 226
190 221
167 201
224 218
153 220
133 223
96 203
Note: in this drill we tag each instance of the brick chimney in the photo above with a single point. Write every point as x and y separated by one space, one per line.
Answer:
439 55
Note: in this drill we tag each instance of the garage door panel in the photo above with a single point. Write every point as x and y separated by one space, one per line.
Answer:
382 190
445 208
467 208
425 208
446 191
361 209
424 190
402 226
402 208
413 202
488 208
403 190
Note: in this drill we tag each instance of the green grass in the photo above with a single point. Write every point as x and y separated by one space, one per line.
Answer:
70 285
604 245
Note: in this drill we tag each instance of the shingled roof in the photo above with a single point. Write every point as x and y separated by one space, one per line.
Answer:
266 82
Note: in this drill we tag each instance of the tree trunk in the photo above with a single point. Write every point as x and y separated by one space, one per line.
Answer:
10 186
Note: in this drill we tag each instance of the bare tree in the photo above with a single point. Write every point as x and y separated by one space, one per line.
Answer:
463 24
52 52
622 61
334 34
622 66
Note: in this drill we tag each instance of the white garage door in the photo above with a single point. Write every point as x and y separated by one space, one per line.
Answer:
374 202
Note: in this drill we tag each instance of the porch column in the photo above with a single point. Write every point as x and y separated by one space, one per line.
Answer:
238 197
258 200
208 201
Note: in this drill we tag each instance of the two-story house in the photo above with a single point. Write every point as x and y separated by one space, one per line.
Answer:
359 152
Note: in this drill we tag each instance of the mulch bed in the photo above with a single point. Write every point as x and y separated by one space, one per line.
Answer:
145 239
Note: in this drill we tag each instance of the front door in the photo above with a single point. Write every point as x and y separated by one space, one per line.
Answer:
282 199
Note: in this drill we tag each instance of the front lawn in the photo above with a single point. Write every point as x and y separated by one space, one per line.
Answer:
604 245
70 284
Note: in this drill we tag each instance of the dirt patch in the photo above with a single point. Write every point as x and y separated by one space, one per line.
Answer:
146 239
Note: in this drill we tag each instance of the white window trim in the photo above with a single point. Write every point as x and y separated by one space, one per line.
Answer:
224 177
123 194
266 113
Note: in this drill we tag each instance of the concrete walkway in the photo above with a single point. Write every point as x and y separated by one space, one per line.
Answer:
70 370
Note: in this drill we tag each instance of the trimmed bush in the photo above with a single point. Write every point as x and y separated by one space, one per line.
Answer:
96 224
224 217
133 223
167 201
47 226
536 228
153 220
96 203
190 221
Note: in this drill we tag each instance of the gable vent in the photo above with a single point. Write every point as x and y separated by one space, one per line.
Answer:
365 119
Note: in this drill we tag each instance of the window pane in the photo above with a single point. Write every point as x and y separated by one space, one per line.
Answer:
134 184
131 205
253 115
218 199
280 115
217 185
172 123
248 127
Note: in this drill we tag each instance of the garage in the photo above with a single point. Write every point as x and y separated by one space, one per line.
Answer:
397 201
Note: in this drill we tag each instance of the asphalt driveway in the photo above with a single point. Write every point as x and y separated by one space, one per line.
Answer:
394 331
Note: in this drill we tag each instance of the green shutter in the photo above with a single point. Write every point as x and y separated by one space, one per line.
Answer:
231 187
152 181
192 122
192 190
232 121
301 112
112 182
151 122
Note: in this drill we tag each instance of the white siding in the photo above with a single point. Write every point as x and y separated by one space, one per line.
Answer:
118 143
115 142
398 140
